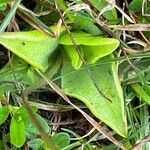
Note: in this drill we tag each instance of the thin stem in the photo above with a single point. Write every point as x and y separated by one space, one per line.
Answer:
9 16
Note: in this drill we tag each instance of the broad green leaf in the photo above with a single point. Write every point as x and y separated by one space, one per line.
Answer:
4 112
61 140
32 46
77 83
91 47
17 131
36 144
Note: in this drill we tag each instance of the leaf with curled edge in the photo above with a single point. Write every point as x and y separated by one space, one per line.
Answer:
92 48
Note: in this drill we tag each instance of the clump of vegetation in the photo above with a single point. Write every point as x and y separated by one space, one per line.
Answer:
74 75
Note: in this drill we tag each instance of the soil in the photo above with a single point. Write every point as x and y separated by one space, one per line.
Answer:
3 58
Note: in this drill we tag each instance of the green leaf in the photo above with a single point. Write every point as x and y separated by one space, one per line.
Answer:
89 147
101 4
84 22
6 141
3 4
136 5
20 67
61 140
91 47
5 1
21 71
83 38
17 131
4 112
36 144
7 87
111 113
140 92
22 110
31 127
1 145
32 46
73 55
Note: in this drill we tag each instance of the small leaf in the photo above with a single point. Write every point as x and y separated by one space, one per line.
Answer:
61 140
140 92
22 110
3 4
7 87
4 112
17 131
77 83
32 46
86 23
73 55
136 5
31 128
33 78
36 144
20 69
101 4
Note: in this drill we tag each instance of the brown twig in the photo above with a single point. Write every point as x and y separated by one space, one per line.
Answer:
132 51
132 16
34 24
50 108
103 26
131 27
